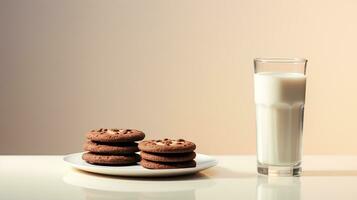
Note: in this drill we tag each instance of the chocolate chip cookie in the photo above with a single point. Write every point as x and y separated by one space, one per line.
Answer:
111 159
159 165
111 148
168 157
115 135
167 146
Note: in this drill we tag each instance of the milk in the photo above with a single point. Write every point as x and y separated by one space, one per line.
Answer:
279 99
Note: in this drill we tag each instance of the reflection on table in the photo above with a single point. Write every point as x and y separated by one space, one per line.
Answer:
185 187
111 187
278 188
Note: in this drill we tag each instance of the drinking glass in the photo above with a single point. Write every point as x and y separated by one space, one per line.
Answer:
279 94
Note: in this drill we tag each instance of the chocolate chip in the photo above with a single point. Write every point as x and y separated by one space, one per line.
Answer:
105 130
166 139
158 140
100 130
180 140
179 143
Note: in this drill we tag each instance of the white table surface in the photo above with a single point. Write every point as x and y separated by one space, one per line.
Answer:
48 177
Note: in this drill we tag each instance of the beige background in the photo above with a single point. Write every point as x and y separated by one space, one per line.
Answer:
171 68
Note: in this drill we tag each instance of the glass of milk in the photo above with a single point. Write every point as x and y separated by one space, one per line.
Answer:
279 93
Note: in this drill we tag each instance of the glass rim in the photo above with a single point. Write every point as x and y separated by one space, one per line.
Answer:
280 60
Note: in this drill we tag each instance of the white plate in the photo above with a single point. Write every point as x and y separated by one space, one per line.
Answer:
202 162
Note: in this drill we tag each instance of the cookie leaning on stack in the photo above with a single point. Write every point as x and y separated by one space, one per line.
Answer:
112 146
167 154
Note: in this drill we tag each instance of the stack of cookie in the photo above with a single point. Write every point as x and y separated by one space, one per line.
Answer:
112 146
167 154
